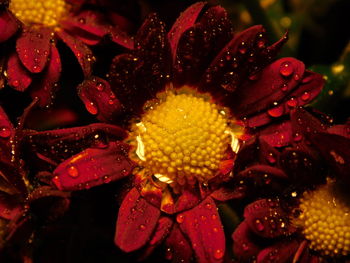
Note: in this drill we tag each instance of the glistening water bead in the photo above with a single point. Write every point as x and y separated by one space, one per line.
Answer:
183 139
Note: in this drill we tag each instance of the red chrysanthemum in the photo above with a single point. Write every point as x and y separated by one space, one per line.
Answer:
190 97
34 27
21 203
306 223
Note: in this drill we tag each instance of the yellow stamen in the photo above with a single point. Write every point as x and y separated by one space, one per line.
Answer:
43 12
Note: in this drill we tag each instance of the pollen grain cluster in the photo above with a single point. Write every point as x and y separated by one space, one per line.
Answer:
44 12
182 139
326 221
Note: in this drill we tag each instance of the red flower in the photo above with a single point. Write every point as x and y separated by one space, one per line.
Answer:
34 27
196 87
21 203
306 223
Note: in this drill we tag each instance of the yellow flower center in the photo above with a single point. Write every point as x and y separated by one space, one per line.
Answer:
44 12
326 221
182 139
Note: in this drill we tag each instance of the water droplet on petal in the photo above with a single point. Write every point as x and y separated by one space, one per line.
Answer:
82 20
73 171
305 96
297 137
292 102
180 218
100 86
276 111
271 158
218 253
286 69
168 254
142 227
5 132
242 49
245 247
284 87
91 107
259 225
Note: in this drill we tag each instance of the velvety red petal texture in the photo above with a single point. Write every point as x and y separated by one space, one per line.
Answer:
90 28
267 219
185 21
199 44
245 246
179 249
281 252
277 134
203 227
45 87
33 48
18 76
136 221
81 51
342 130
99 99
137 77
59 145
270 86
93 167
8 25
336 150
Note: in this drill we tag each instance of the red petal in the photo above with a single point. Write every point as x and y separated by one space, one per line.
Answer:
99 99
179 250
18 76
281 252
199 44
93 167
267 219
33 48
203 227
45 88
61 144
186 200
6 128
8 25
342 130
9 207
185 21
270 86
81 51
277 134
137 220
244 245
161 232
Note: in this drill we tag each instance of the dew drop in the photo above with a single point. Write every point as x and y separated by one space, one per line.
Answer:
292 102
36 69
142 227
296 77
276 111
259 225
284 87
180 218
111 102
91 107
100 86
218 253
286 69
82 20
5 132
297 137
242 49
305 96
168 254
271 158
73 171
245 247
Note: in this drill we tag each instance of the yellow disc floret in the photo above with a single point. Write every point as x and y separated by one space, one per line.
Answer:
183 139
325 221
44 12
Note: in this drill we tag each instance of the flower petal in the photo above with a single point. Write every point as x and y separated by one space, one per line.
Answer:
266 218
270 86
281 252
99 99
10 208
179 249
45 87
185 21
203 227
18 76
277 134
200 43
93 167
136 221
33 48
245 247
81 51
8 25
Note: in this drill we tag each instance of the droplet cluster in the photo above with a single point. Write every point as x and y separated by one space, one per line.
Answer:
326 221
183 139
45 12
